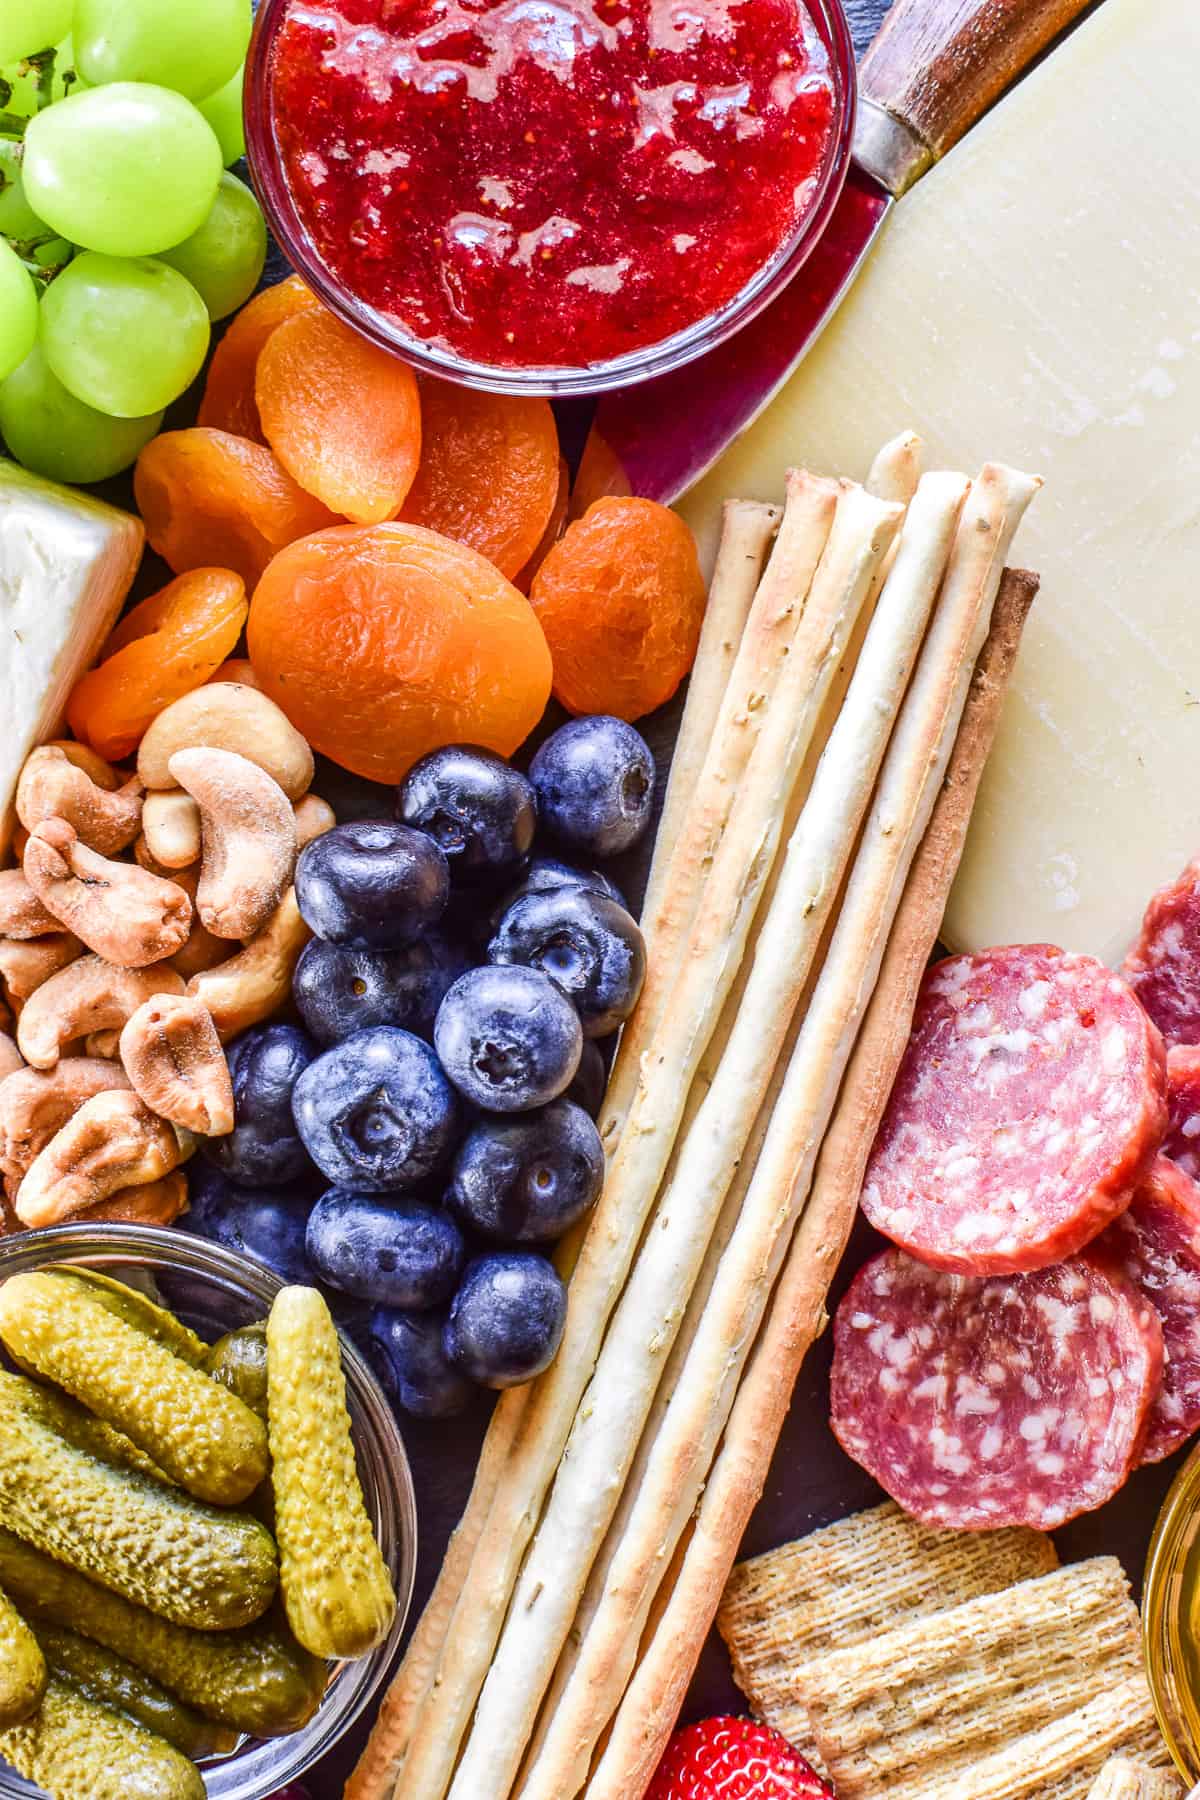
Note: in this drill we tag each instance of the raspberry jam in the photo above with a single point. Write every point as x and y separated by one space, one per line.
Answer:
538 183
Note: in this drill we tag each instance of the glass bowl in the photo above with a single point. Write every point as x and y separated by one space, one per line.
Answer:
215 1290
1171 1619
644 364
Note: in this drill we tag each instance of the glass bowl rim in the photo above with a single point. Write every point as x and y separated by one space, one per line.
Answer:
628 370
266 1764
1169 1546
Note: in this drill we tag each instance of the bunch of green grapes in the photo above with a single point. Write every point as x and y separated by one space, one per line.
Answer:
122 236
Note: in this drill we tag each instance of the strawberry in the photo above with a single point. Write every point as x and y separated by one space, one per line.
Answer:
734 1759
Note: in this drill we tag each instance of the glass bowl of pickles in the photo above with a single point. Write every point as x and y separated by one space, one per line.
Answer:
159 1624
1171 1619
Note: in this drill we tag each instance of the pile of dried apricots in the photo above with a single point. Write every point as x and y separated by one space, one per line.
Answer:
397 552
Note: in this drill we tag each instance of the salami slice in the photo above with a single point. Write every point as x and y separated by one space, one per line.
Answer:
1030 1102
1163 968
1157 1242
1006 1400
1182 1142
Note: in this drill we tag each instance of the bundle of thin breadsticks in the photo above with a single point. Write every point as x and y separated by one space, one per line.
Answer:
851 665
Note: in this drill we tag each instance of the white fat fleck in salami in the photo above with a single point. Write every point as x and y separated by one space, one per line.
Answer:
1182 1142
1163 968
1157 1243
1007 1400
1029 1104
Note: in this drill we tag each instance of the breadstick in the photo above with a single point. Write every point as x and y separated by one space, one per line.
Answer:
746 531
615 1409
862 529
748 702
652 1700
897 468
747 527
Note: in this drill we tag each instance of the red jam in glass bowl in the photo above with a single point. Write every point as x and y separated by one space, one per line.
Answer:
544 183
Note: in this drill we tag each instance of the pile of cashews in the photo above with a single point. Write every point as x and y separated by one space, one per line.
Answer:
151 918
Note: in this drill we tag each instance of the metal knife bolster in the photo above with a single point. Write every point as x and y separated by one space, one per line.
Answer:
888 148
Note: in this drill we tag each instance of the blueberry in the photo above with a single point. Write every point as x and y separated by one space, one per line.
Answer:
269 1227
526 1180
545 873
591 1079
594 781
509 1039
263 1149
506 1320
371 884
406 1351
376 1112
589 947
481 812
394 1252
338 990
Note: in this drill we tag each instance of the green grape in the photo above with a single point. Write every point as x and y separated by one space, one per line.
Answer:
125 335
18 310
193 46
56 435
18 221
52 254
223 110
26 87
27 26
128 170
224 259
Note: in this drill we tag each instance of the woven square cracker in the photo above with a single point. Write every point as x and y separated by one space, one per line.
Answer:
849 1582
915 1707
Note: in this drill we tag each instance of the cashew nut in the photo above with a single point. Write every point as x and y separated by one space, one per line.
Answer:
34 1105
10 1057
173 1057
25 966
104 1044
171 829
53 787
114 1141
155 1203
228 715
90 995
203 950
252 985
314 817
121 911
91 762
22 914
249 833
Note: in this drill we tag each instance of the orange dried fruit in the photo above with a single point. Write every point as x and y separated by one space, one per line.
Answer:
620 598
555 525
382 642
168 645
489 471
229 403
238 668
343 417
209 497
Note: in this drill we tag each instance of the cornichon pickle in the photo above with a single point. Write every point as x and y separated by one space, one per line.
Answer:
335 1585
85 1431
138 1309
75 1750
103 1676
200 1434
157 1546
239 1362
22 1667
257 1680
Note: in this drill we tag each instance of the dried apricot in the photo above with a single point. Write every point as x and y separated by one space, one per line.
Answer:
229 403
489 471
382 642
209 497
342 416
620 598
238 668
555 525
168 645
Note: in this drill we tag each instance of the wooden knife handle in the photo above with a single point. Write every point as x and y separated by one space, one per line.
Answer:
937 65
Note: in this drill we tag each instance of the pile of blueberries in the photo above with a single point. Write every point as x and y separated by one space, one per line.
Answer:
446 1075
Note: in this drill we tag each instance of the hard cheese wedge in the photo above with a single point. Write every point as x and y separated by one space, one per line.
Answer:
1038 293
66 564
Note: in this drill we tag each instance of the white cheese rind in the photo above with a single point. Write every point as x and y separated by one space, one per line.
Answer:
1036 299
66 565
